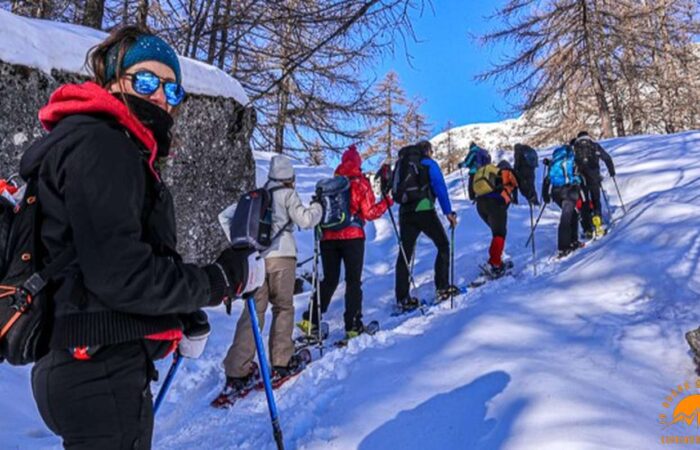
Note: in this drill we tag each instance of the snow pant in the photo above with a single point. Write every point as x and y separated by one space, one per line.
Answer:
351 253
591 205
494 212
412 224
103 403
278 290
566 197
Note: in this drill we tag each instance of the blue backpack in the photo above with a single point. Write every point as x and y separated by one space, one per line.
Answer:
476 159
562 168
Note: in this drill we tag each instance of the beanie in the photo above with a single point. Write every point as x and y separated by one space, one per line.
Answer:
147 47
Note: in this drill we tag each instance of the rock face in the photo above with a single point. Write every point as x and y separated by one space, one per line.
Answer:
211 166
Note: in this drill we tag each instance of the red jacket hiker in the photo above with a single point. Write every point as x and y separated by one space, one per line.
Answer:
363 203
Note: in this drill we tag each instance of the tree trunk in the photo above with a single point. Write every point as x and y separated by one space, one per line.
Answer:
214 32
142 13
224 38
94 13
595 75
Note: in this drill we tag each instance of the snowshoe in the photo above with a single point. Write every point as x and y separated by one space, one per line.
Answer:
236 388
490 273
370 329
310 336
282 374
446 294
406 305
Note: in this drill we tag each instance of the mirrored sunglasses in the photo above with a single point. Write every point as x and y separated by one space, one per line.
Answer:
145 82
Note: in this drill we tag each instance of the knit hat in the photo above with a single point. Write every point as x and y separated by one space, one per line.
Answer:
147 47
281 169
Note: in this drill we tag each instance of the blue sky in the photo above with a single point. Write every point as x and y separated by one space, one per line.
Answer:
445 61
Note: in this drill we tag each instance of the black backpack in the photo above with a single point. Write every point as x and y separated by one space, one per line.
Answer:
586 156
334 194
25 294
411 180
251 226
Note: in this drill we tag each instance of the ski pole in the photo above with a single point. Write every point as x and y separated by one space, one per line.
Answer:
265 370
398 239
532 227
624 210
317 250
607 203
177 360
299 264
452 267
532 233
464 187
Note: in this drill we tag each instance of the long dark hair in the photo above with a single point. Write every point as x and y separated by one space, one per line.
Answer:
96 59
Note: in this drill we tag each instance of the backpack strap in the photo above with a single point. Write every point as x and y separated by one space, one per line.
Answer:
289 222
38 280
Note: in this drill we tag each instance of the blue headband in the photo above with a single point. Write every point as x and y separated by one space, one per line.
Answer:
146 48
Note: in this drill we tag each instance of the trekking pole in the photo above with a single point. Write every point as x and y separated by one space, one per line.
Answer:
464 187
299 264
398 239
532 226
317 250
532 233
452 267
265 371
607 203
177 360
624 210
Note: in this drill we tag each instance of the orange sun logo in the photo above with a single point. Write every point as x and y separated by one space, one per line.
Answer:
688 411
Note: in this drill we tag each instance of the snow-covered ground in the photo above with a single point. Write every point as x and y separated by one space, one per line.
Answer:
581 356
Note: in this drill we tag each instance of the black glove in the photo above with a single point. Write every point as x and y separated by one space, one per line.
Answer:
546 161
385 178
236 273
545 198
316 198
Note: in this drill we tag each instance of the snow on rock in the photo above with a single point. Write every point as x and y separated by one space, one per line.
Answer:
47 45
580 356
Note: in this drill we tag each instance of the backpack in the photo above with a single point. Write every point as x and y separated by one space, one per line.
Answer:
251 225
530 158
586 156
25 301
562 169
334 194
476 159
411 179
487 179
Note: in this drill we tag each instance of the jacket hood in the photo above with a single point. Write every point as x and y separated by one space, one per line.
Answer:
351 163
90 98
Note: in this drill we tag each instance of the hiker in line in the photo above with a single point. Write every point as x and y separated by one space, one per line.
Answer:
417 214
526 163
588 154
278 289
347 247
495 188
119 303
564 182
476 157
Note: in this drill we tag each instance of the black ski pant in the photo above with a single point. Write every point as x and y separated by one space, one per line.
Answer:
104 403
351 253
494 212
412 224
566 197
591 199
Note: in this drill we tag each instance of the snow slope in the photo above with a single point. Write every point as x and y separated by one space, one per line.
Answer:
47 45
580 356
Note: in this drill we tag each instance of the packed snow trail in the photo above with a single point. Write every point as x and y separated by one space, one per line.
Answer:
580 356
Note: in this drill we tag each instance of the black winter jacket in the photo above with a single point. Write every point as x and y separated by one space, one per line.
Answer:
98 195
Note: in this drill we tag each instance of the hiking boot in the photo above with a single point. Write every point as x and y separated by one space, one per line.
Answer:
564 253
408 303
598 224
308 328
494 272
588 234
446 293
576 245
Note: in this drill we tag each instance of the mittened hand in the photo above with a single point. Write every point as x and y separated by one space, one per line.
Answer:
196 331
452 218
235 273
